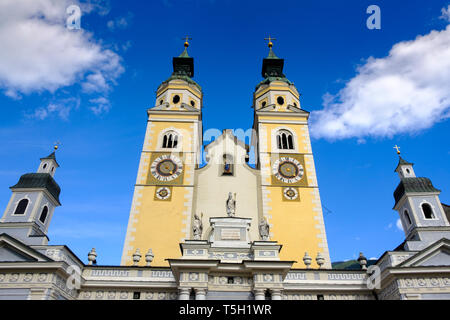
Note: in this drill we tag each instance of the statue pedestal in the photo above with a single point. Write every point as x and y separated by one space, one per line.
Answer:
230 232
265 250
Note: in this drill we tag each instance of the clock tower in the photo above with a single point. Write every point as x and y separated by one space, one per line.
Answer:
161 210
289 190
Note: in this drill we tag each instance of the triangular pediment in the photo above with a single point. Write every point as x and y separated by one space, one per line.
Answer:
437 254
13 250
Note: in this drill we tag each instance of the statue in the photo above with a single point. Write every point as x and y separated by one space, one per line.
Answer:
264 229
231 205
197 228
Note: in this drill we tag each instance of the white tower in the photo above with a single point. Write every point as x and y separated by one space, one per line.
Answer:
417 201
33 201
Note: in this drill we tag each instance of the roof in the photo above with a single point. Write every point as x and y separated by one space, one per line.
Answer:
401 162
446 210
51 156
39 180
272 69
183 69
407 185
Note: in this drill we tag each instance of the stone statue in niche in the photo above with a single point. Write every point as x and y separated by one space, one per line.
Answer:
227 165
231 205
264 229
197 228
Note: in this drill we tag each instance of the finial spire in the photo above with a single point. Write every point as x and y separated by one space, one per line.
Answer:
398 149
56 145
186 41
270 44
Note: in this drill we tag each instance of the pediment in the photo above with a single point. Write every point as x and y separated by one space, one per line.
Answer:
437 254
12 250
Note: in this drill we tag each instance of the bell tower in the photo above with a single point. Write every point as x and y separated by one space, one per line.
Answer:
289 190
421 212
161 211
33 201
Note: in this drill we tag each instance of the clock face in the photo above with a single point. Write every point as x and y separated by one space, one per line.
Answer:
166 167
163 193
287 170
290 193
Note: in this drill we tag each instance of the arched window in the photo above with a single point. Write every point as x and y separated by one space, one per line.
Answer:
43 215
170 140
228 165
427 211
21 207
285 141
408 219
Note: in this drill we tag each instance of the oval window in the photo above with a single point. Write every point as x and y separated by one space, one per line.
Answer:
280 101
176 99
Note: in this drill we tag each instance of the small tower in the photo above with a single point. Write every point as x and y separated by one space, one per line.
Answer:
417 201
33 201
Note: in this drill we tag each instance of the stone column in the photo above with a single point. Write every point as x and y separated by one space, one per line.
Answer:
200 294
276 294
183 294
259 294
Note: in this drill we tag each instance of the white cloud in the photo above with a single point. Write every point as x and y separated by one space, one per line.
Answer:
405 92
61 108
445 13
38 53
120 22
100 105
399 224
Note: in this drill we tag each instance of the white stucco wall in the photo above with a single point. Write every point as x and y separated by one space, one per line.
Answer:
212 189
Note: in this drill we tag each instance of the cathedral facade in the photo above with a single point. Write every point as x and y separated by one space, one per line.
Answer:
225 230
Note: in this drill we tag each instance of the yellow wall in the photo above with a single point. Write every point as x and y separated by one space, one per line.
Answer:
297 225
162 224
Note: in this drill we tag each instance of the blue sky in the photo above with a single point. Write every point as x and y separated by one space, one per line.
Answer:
89 89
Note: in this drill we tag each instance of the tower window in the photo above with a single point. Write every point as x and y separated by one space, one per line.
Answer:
176 99
161 101
427 211
280 101
193 103
170 140
285 140
44 214
45 166
263 104
21 207
408 219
